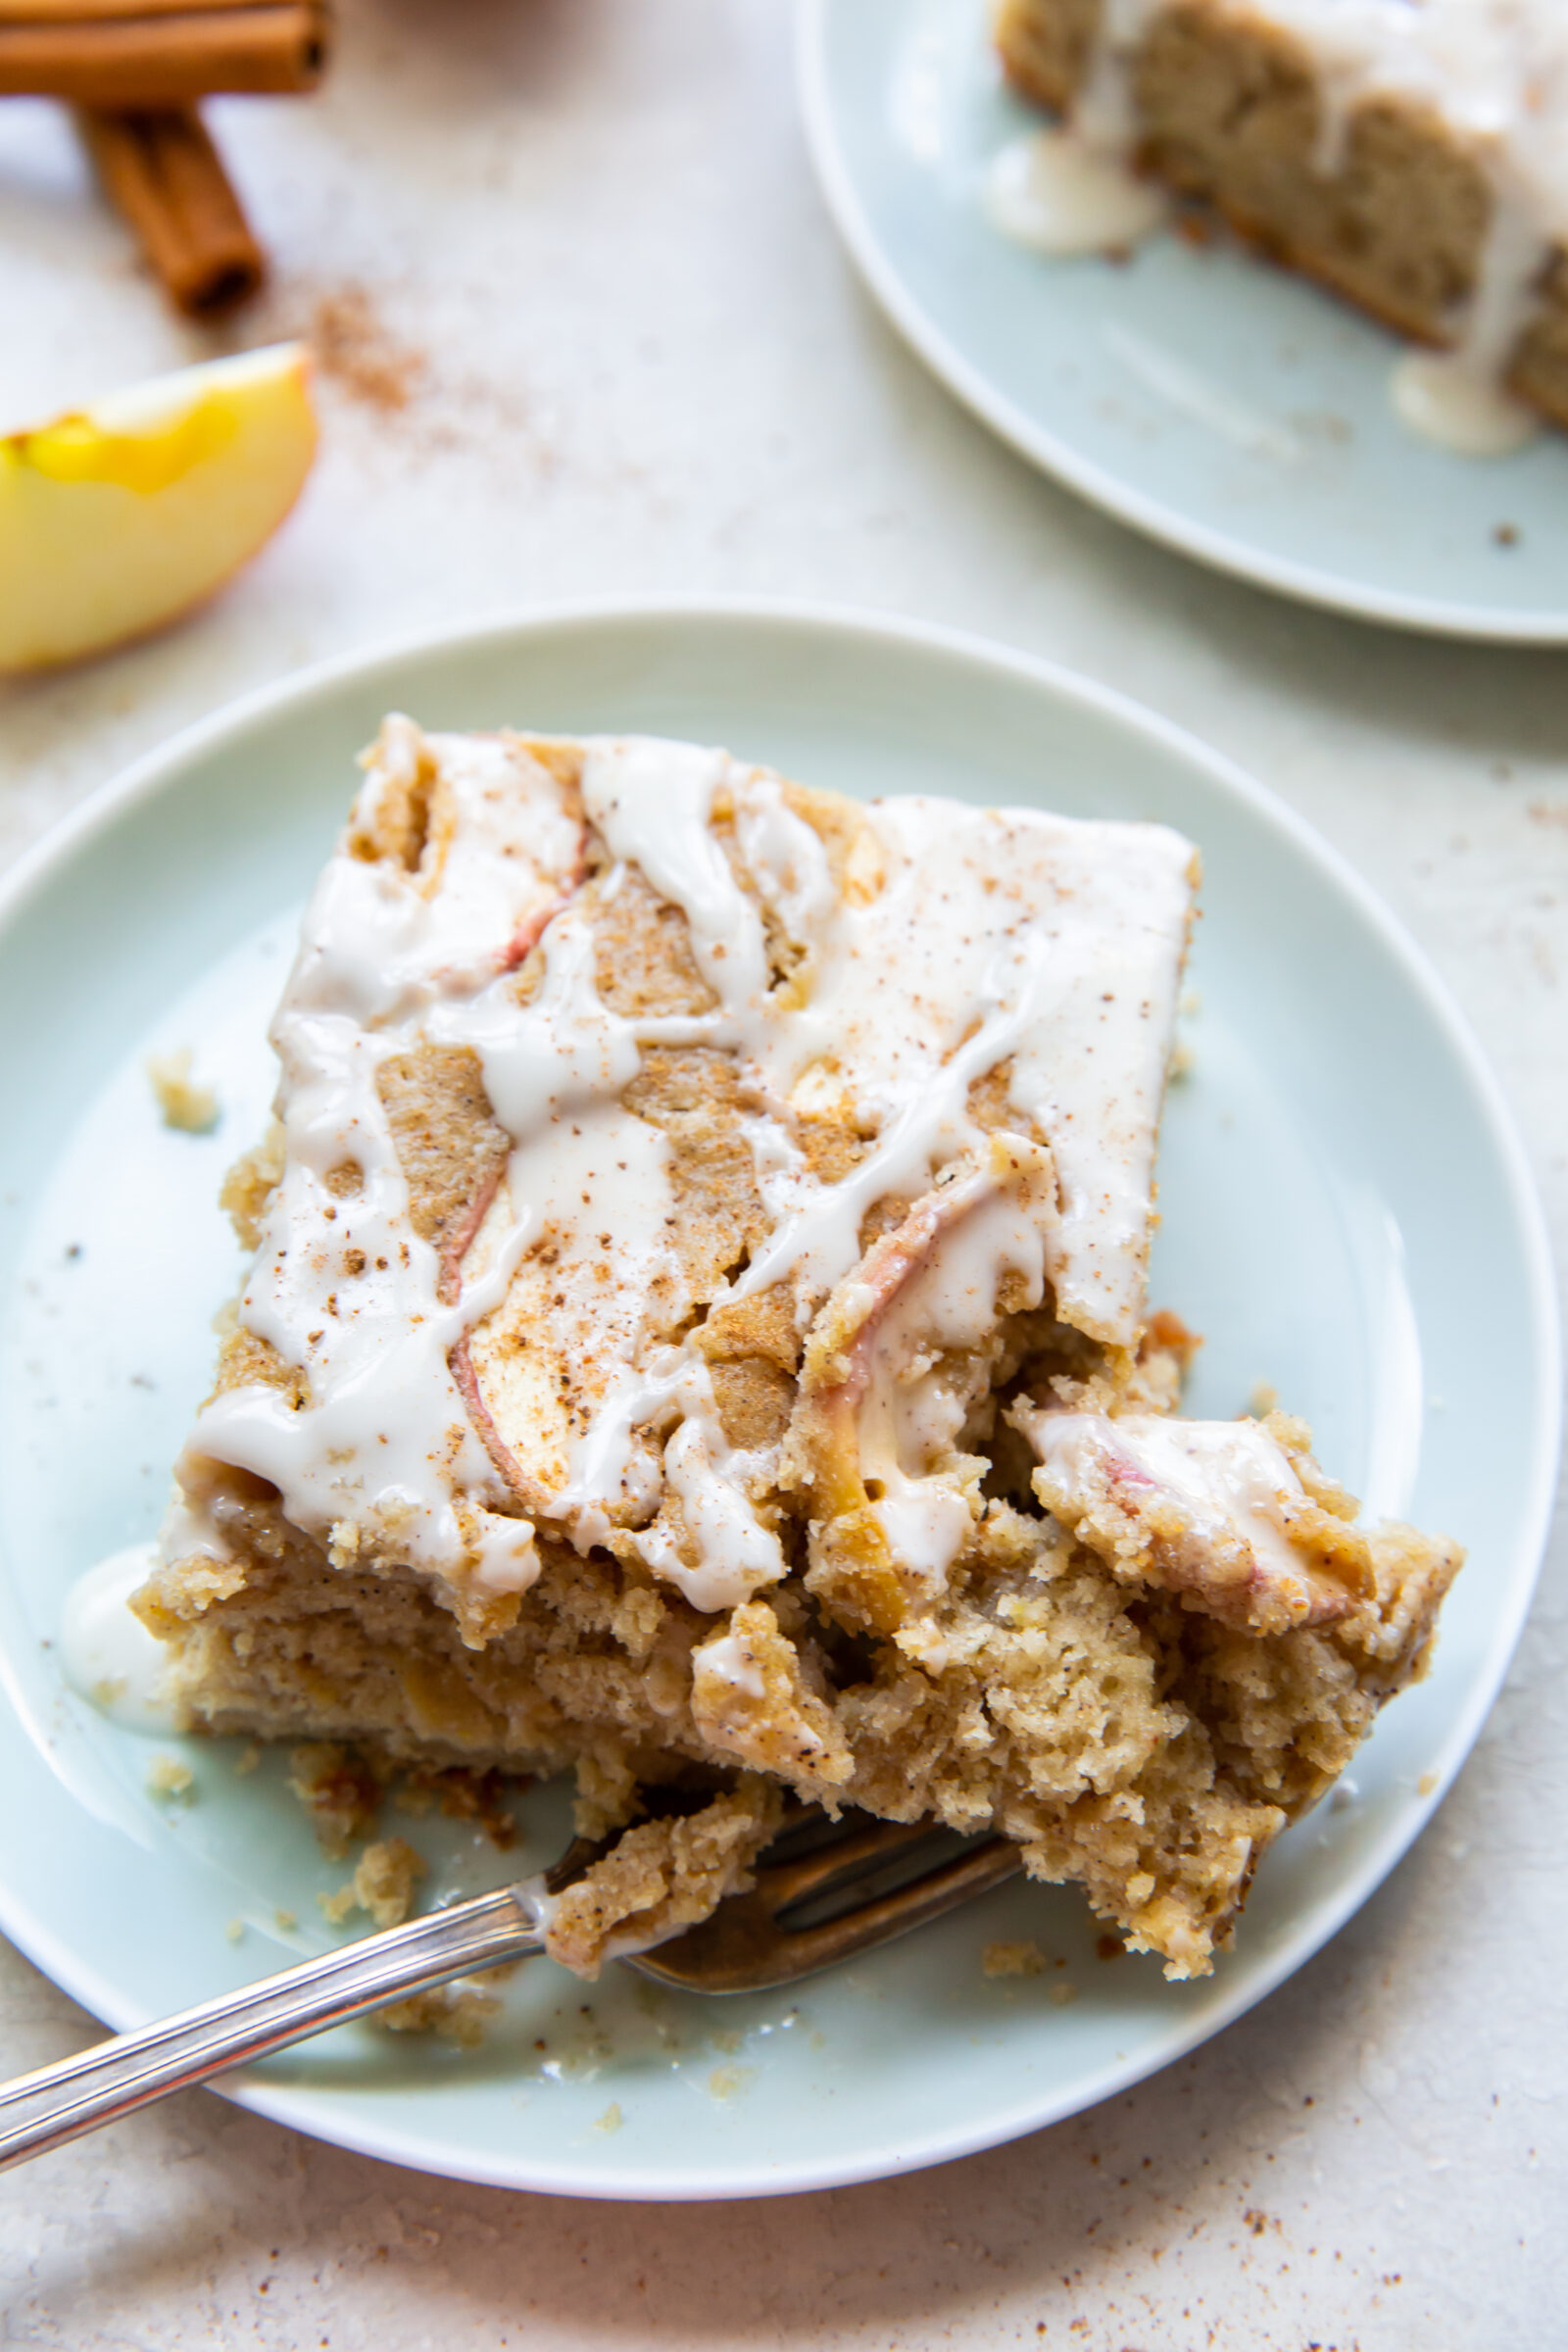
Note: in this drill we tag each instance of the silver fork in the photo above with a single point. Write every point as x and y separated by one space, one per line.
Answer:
750 1942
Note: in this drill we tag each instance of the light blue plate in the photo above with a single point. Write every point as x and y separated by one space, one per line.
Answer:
1200 394
1346 1215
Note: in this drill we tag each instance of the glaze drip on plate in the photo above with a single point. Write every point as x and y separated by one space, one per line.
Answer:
106 1653
1063 192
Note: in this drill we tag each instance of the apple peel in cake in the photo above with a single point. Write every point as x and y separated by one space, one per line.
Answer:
696 1336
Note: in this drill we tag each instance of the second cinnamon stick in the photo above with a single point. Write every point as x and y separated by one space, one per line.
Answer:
162 171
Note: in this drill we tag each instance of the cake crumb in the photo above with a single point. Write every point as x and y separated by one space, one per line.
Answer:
612 2119
167 1776
247 1760
340 1792
725 2081
285 1920
1194 228
1023 1959
234 1929
184 1104
1425 1784
1264 1399
383 1883
452 2013
464 1793
1062 1993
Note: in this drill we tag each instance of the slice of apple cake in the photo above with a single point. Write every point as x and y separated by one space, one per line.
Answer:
697 1335
1412 154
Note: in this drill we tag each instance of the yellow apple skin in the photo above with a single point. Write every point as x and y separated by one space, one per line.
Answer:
116 520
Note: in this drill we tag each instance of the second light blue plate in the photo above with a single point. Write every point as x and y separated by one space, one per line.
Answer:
1198 393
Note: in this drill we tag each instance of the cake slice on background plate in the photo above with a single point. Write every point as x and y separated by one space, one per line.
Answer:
1412 154
696 1336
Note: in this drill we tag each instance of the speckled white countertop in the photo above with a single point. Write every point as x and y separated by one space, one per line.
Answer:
579 240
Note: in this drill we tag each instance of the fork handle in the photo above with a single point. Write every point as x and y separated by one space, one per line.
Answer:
43 2110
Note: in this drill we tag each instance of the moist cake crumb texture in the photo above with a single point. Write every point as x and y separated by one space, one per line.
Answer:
696 1336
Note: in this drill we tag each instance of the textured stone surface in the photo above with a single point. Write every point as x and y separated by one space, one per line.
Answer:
576 239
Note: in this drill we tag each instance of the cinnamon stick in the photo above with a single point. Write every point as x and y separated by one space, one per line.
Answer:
162 57
78 11
162 171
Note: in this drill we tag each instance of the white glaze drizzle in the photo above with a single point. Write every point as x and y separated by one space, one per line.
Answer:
707 1479
921 1372
649 800
969 939
1047 942
1495 72
343 1287
727 1661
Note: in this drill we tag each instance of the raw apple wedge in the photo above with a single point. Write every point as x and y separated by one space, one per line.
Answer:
117 518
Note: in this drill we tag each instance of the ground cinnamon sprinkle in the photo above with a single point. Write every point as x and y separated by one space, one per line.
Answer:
356 350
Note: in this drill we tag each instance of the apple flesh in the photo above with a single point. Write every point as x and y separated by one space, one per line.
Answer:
116 518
